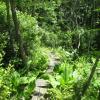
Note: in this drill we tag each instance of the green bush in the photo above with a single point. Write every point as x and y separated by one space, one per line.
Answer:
71 76
39 59
13 86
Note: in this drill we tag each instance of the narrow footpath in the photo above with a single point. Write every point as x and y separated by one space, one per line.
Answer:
41 84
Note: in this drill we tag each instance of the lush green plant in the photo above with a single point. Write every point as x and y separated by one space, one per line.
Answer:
14 86
70 78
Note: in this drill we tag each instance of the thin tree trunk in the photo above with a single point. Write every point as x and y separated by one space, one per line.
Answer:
8 14
9 25
98 94
17 32
9 49
87 83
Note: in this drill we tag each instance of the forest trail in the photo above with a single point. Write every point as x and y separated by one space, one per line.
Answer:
41 84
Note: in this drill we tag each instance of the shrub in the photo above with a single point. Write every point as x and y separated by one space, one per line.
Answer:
13 86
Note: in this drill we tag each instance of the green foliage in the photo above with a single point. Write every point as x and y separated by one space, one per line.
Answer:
70 29
72 75
32 34
97 10
50 39
13 86
2 14
3 43
5 84
65 71
55 94
65 40
38 60
29 29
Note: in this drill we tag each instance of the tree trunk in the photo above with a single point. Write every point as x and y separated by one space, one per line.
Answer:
17 32
98 94
9 25
9 49
87 83
8 14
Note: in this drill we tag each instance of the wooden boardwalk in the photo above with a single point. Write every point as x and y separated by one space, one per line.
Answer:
40 89
41 84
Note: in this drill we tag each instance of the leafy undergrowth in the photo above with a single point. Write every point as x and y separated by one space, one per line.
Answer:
69 77
13 86
65 81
